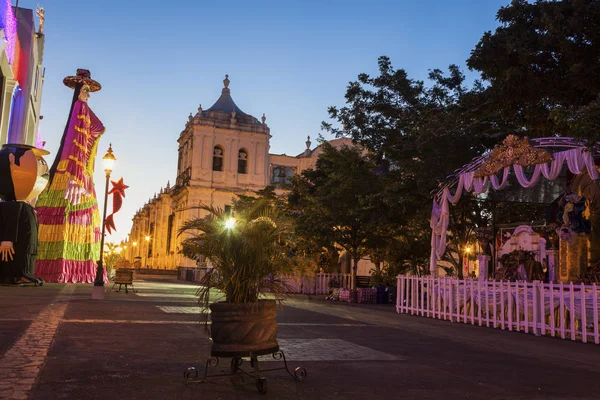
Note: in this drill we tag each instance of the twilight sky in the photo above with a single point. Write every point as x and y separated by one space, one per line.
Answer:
158 60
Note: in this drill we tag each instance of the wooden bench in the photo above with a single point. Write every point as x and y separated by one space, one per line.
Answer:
124 277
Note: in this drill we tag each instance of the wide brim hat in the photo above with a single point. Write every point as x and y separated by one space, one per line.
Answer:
36 150
82 76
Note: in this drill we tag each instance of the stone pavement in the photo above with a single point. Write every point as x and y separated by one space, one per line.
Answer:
56 343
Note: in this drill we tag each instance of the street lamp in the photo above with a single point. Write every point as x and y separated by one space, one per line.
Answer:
108 162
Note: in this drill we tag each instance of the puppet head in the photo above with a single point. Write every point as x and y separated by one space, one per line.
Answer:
23 172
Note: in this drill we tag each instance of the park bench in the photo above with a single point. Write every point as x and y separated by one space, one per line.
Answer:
124 277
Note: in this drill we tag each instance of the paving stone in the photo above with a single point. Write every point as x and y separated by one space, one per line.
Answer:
22 362
19 395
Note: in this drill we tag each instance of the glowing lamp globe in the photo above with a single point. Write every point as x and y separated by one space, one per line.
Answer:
230 223
109 160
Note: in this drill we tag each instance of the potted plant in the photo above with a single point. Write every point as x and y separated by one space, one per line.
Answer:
248 251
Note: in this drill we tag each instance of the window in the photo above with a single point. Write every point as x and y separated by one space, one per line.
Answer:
228 209
217 159
242 162
282 175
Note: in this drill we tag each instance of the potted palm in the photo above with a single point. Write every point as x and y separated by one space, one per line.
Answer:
249 252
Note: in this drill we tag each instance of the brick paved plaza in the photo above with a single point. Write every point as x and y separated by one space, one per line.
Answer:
56 343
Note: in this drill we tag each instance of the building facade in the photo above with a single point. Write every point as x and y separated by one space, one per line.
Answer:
222 152
21 74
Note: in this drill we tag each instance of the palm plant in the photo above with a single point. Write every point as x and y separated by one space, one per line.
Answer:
249 251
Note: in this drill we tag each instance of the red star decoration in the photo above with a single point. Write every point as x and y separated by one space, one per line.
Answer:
118 187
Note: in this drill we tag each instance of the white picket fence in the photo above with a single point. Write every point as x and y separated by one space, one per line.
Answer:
569 311
318 284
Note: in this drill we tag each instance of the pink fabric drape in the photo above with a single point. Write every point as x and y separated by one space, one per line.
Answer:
578 160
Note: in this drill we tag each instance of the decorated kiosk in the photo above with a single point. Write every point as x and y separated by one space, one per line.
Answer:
566 247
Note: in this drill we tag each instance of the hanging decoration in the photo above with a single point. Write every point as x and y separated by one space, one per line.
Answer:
512 151
118 192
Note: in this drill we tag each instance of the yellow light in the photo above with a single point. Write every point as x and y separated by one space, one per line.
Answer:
467 249
147 238
109 160
125 247
230 223
134 244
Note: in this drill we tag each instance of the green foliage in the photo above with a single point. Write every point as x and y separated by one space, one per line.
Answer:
419 134
340 202
542 67
386 276
592 275
111 256
248 257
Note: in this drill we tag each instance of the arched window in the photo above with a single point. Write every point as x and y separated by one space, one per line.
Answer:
242 161
217 158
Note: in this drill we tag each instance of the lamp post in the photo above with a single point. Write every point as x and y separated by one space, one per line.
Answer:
108 161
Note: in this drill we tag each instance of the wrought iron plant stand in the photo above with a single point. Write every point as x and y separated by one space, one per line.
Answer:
237 359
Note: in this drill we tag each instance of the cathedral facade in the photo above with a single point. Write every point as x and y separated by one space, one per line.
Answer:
222 152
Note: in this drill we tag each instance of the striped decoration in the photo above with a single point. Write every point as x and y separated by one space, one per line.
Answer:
69 235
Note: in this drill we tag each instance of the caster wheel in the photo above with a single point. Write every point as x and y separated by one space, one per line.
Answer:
190 374
261 385
40 283
299 374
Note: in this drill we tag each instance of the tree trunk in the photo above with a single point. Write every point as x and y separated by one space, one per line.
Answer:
354 271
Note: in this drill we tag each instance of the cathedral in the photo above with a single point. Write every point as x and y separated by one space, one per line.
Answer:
222 152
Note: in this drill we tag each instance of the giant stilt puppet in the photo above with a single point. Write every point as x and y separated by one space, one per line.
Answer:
23 175
69 233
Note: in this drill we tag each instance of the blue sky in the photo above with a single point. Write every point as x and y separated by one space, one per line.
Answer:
158 60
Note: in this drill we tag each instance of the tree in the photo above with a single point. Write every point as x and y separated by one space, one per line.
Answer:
419 134
339 202
541 67
112 255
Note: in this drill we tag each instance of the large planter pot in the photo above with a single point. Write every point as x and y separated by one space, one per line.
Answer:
242 330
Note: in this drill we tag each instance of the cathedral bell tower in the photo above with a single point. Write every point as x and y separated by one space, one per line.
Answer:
224 148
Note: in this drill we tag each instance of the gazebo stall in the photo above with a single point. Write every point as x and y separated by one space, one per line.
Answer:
549 159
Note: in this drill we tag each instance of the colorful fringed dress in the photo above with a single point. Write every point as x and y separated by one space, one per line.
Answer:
69 234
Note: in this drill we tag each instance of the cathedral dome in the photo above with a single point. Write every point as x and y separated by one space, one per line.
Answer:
225 109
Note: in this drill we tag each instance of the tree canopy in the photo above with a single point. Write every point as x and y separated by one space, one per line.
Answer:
542 67
340 202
